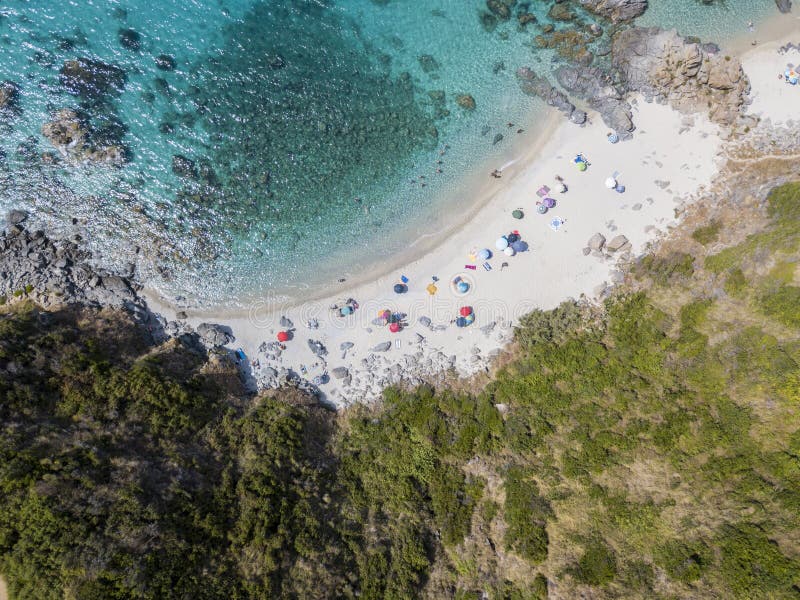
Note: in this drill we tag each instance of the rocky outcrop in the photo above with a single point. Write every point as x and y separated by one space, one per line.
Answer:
215 335
534 85
666 67
785 6
55 272
596 87
71 135
616 10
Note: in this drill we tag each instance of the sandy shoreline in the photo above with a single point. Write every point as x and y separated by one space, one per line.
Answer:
670 159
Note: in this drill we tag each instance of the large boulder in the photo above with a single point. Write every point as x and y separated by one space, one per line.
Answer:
664 66
616 243
214 335
616 10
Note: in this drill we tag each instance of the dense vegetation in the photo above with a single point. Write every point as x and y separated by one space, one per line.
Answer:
647 449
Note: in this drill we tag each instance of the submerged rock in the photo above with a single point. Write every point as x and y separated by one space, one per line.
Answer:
130 39
165 62
184 167
71 134
9 97
91 78
465 101
616 10
785 6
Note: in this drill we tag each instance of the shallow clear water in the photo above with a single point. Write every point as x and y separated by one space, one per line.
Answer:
315 129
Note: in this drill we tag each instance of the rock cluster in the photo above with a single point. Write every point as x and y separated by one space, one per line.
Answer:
71 135
55 272
534 85
666 67
616 10
596 87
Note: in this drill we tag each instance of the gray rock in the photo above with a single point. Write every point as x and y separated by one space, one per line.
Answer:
15 217
596 242
340 372
616 10
317 348
785 6
616 243
214 335
382 347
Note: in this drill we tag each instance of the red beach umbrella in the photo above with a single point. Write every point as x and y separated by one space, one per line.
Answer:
465 311
394 327
283 336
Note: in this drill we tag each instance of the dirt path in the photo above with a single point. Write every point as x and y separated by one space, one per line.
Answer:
3 590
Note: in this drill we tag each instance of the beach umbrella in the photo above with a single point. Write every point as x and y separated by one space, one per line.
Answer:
541 209
470 318
581 166
556 223
613 138
432 289
465 311
549 202
283 336
509 251
484 254
384 314
517 214
462 287
562 188
394 327
400 288
461 322
519 246
501 243
346 310
611 183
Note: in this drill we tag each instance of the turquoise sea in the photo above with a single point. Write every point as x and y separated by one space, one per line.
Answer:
315 137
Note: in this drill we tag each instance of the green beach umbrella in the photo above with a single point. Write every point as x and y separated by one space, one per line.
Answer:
517 214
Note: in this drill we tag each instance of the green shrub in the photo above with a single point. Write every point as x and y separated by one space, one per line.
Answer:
735 282
682 560
782 304
666 270
526 514
708 233
597 565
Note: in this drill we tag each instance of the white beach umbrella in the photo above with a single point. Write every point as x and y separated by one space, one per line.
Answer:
611 183
501 243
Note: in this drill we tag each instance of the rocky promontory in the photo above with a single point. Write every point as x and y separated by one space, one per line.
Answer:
690 76
661 65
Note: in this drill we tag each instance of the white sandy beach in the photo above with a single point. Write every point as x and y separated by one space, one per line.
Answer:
670 159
